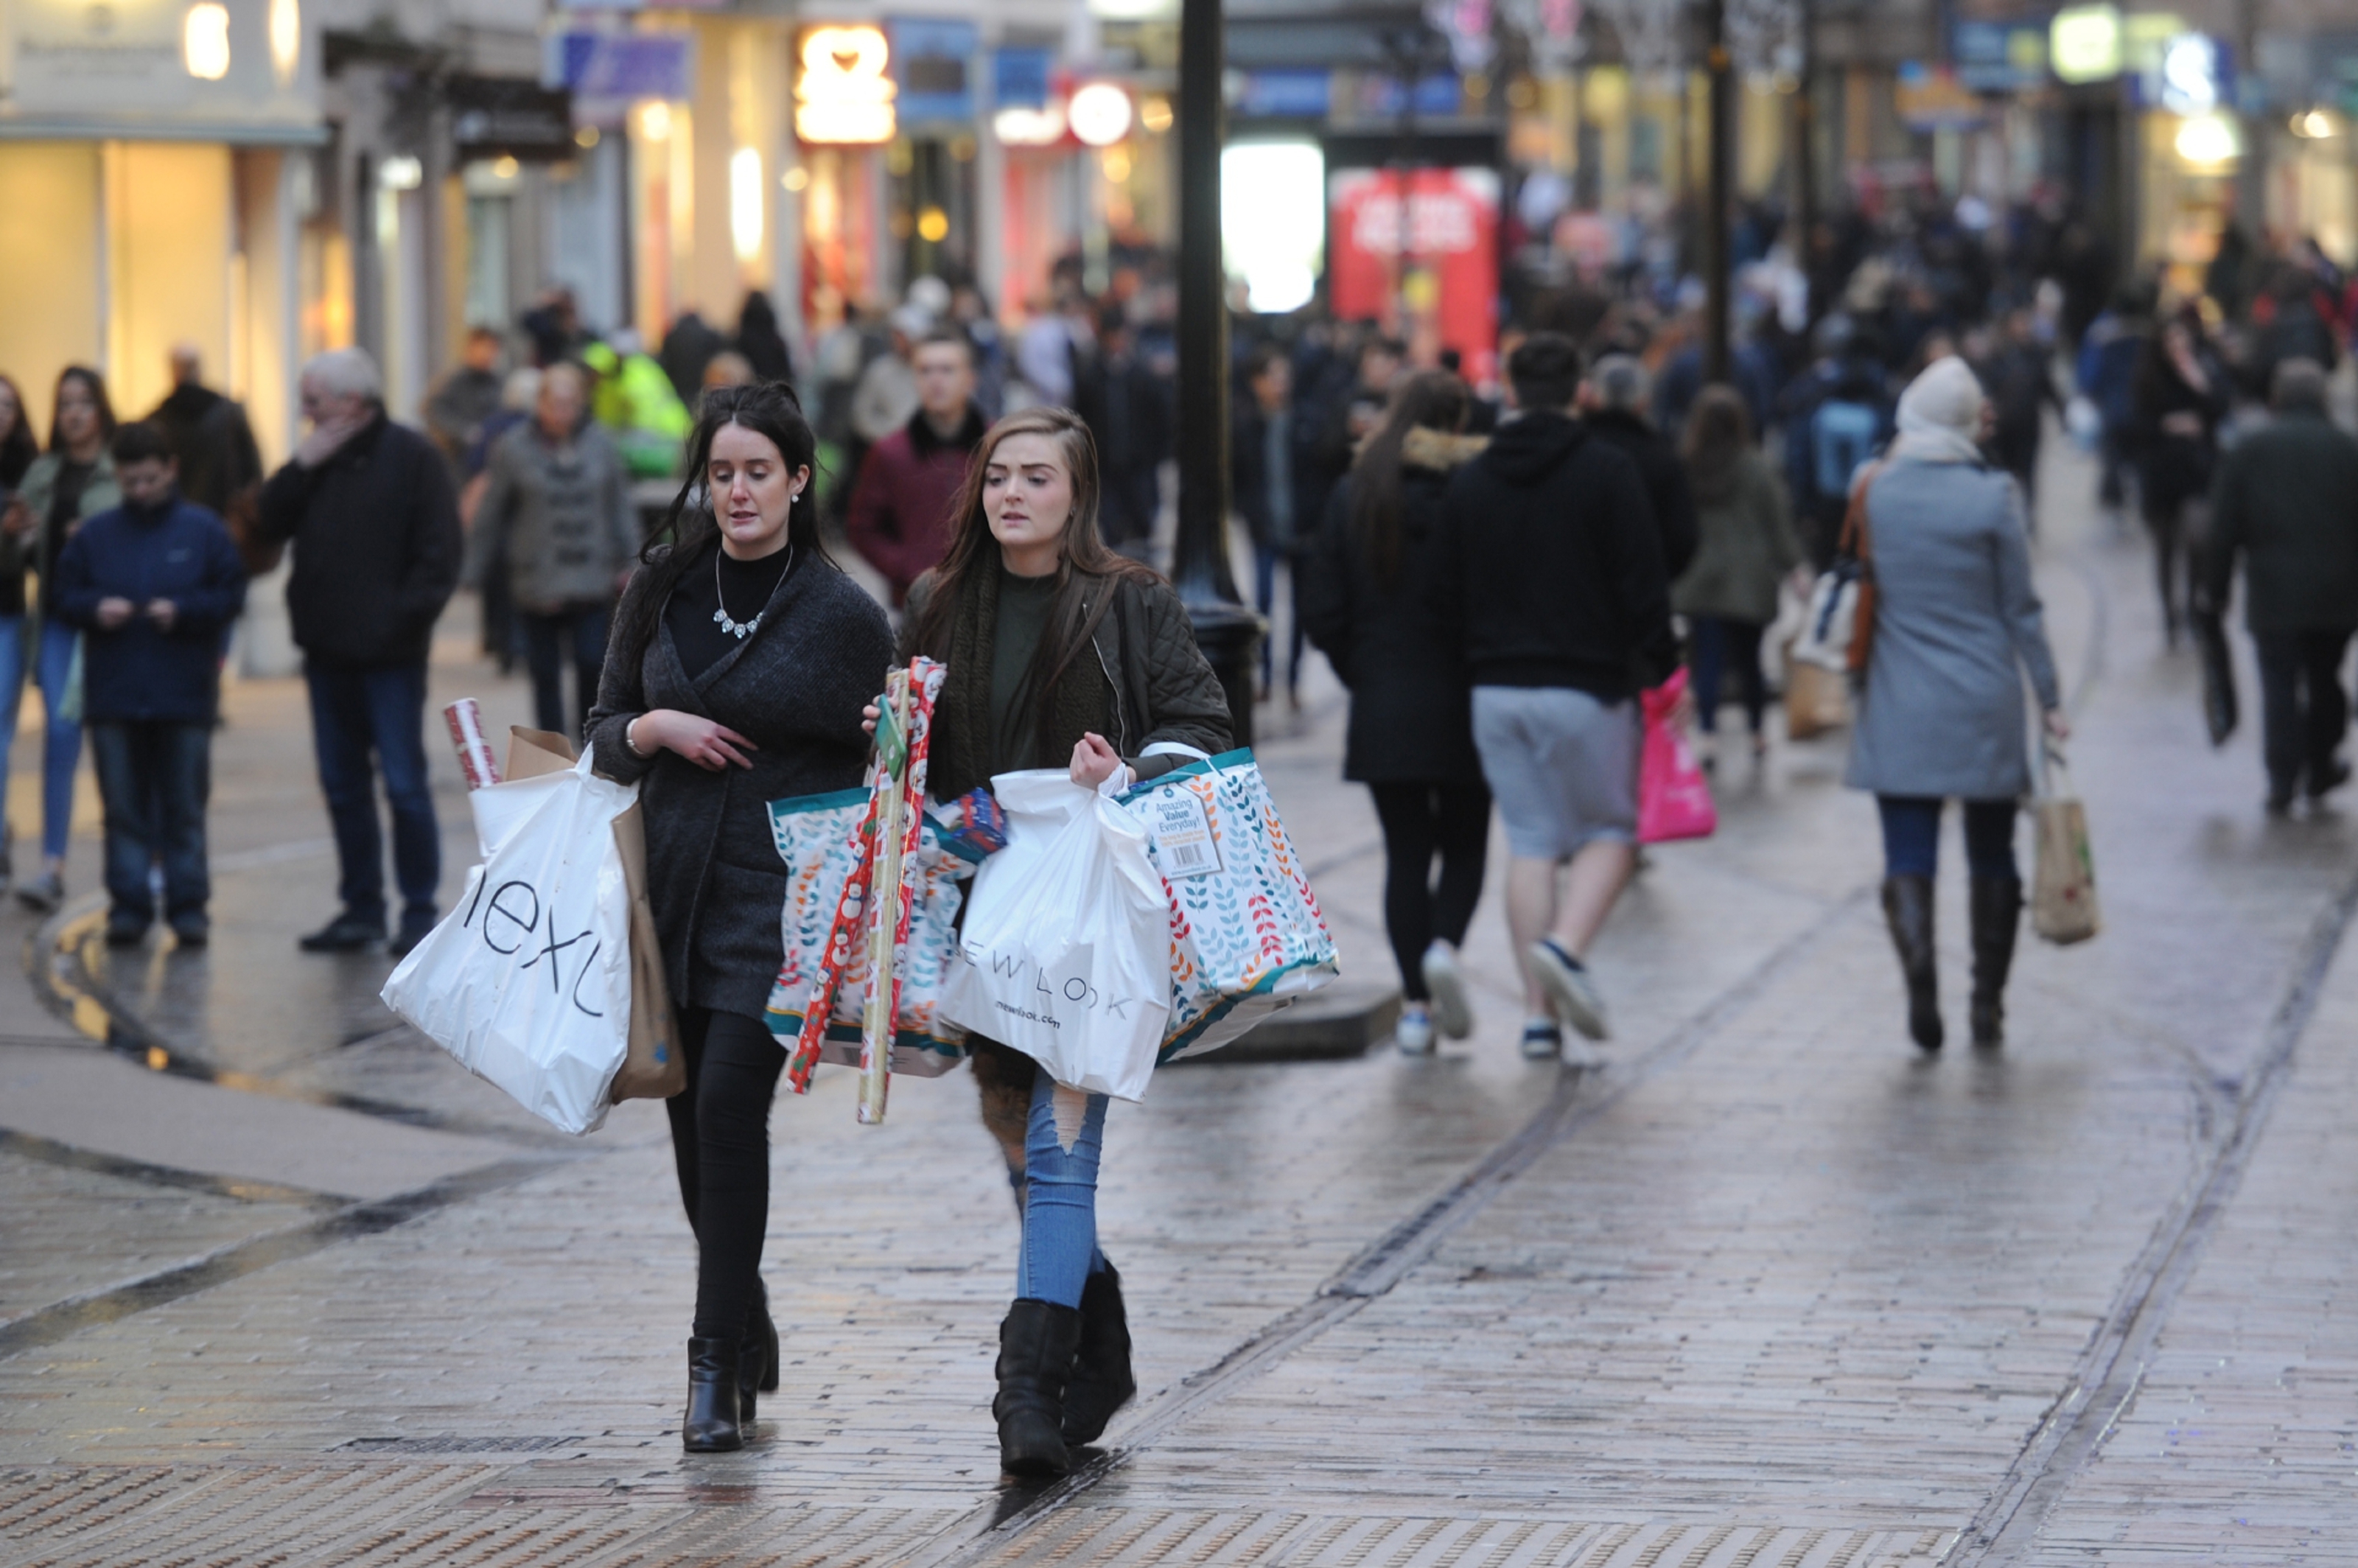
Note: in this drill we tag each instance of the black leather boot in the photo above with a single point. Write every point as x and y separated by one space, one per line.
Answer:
757 1357
1908 909
711 1425
1996 916
1035 1358
1101 1381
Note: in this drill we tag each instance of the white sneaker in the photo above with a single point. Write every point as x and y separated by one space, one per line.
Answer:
1414 1032
1570 991
1542 1040
1446 981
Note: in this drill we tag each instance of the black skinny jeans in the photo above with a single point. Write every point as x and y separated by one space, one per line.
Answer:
2304 712
721 1141
1421 820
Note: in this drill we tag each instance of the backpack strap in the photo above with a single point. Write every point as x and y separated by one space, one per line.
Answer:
1857 544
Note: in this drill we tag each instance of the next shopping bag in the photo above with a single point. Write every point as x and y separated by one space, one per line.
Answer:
1066 951
1247 937
1673 795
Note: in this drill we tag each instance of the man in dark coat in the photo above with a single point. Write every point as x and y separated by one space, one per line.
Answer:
152 584
1547 574
1276 484
1613 398
1128 413
899 518
2286 498
213 445
368 507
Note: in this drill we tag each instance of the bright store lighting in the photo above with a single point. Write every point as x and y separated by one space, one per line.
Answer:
2084 43
796 178
2207 140
932 225
2315 124
745 203
844 97
204 41
1114 163
1155 115
1273 221
654 121
401 172
1100 114
286 31
1039 127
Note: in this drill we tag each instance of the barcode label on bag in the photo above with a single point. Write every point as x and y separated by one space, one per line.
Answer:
1183 836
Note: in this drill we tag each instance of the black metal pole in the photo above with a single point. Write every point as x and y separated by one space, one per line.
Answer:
1722 156
1224 628
1805 155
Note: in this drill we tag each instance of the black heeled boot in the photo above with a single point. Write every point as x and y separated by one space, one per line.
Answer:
1035 1357
1101 1382
1907 909
757 1357
711 1424
1996 916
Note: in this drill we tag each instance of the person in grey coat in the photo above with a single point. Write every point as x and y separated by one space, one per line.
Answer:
1957 624
556 511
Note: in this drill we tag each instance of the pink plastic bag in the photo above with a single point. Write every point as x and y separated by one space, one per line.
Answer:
1673 796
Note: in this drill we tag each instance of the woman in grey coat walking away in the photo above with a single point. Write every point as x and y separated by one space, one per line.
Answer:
1957 625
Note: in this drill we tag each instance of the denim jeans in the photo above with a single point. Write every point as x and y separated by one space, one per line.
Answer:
365 718
1720 648
62 743
2304 713
580 631
1265 564
1911 836
155 777
1060 1195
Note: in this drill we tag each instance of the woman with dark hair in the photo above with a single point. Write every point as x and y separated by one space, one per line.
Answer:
73 479
1729 593
1060 654
739 659
1411 739
18 449
759 340
2183 398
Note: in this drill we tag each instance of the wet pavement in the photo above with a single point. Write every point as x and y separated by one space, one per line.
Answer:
1768 1290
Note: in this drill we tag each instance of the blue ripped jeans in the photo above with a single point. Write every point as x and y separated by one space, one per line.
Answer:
1060 1195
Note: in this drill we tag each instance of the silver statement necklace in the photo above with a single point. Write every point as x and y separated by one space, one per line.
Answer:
741 630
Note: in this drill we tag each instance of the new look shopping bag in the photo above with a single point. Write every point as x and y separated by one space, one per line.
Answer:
527 980
1066 951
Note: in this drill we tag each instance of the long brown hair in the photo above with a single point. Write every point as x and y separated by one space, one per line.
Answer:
1084 564
1432 400
1719 429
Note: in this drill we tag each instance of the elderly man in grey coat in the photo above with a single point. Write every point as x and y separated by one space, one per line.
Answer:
1957 625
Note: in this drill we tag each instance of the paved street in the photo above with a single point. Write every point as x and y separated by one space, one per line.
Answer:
279 1283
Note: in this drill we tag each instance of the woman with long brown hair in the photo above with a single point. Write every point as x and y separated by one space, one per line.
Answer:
1411 739
1061 655
1747 547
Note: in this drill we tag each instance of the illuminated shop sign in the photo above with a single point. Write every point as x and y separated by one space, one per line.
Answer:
931 67
2084 43
230 70
845 92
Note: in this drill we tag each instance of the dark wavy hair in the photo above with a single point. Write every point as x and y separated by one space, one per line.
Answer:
768 408
1084 561
1431 399
17 448
96 386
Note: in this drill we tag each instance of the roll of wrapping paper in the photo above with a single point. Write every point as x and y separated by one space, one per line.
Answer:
888 906
465 718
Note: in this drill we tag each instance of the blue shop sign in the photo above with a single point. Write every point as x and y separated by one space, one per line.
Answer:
931 64
1019 78
625 65
2000 56
1287 95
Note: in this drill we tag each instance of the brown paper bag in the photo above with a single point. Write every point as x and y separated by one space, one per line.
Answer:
2063 877
1815 700
654 1068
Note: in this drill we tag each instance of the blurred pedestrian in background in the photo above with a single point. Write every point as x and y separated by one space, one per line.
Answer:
687 349
759 340
1837 416
1613 398
18 445
366 505
152 585
1957 626
1411 735
19 449
1274 482
73 479
2183 398
2017 374
519 395
899 519
468 397
1125 406
1548 579
1728 593
2106 373
2286 500
634 400
727 368
556 511
220 467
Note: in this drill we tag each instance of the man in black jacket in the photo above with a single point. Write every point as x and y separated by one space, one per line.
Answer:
1613 399
1548 573
213 445
368 506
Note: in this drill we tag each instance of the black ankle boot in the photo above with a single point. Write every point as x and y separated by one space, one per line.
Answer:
1035 1358
757 1357
1907 909
1101 1381
1997 915
711 1425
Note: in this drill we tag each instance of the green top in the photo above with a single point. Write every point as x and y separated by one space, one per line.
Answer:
1022 616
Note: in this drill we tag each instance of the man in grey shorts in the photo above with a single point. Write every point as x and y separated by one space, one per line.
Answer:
1549 575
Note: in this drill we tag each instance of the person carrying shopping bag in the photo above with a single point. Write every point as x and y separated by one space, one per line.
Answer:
1956 624
1411 739
740 662
1060 654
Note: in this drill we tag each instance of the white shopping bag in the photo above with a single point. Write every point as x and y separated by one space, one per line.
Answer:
527 980
1066 950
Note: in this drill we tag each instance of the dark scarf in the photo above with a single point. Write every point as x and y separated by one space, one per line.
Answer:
924 442
960 754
